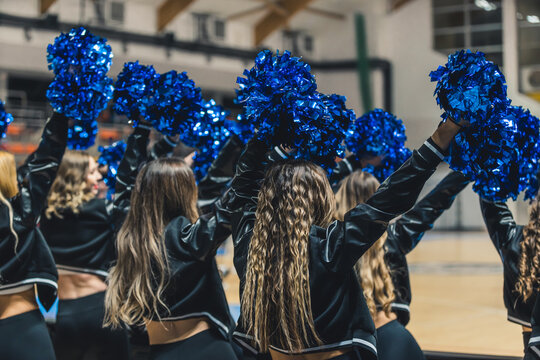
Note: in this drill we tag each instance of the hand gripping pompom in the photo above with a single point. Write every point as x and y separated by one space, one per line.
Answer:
279 96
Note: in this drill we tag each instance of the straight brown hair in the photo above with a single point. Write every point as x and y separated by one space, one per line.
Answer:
164 189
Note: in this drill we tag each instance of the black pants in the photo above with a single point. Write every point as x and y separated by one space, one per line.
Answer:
25 337
80 335
394 342
206 345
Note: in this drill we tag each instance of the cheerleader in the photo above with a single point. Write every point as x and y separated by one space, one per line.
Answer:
79 228
299 293
26 265
518 246
393 340
404 234
166 275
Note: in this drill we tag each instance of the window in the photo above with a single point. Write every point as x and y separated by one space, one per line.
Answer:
468 24
528 22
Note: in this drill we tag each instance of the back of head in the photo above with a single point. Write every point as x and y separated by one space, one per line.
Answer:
8 180
69 189
371 269
529 263
164 189
276 302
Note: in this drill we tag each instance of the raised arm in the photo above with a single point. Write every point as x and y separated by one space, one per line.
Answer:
407 231
500 224
344 168
37 174
162 148
347 240
128 169
219 175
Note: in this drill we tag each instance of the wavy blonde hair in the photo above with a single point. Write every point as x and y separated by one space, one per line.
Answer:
164 189
276 302
69 189
8 186
371 269
529 262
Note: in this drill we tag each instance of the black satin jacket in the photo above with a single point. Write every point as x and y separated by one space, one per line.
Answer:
83 242
506 236
339 309
32 262
194 287
406 232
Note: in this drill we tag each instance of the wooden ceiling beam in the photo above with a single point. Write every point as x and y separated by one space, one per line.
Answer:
274 21
169 9
326 13
44 5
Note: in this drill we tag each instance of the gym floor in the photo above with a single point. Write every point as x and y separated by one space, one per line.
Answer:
457 303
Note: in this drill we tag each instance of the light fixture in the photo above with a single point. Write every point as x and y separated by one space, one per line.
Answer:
533 19
485 5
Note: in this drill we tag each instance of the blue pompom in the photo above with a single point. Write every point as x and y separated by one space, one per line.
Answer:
81 52
176 105
468 86
499 155
111 156
134 90
209 134
5 119
376 133
242 128
82 135
279 96
80 62
390 163
79 96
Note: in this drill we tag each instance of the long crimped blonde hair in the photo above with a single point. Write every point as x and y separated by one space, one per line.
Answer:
69 189
529 262
164 189
371 269
276 302
8 187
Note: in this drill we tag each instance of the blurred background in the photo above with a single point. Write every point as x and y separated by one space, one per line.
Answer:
378 53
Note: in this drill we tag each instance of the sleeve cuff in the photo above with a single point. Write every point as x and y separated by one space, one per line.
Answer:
348 165
142 126
430 144
169 141
280 152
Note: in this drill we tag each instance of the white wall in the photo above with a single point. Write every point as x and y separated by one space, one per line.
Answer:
404 37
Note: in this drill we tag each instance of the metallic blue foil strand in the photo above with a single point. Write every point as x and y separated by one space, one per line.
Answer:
468 86
280 98
5 119
82 135
111 156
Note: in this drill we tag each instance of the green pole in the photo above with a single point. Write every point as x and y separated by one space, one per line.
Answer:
363 65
